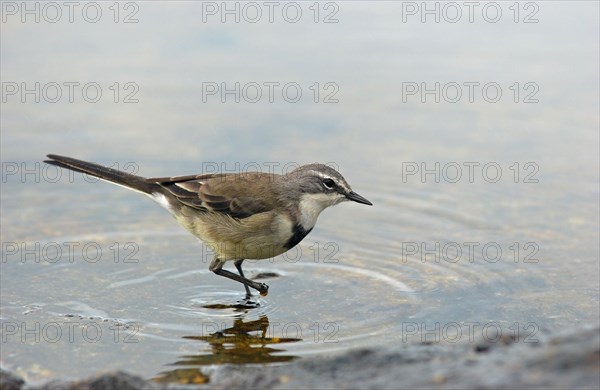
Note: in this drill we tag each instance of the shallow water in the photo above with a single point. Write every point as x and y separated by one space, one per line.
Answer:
96 278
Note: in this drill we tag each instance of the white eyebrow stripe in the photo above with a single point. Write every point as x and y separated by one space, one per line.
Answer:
324 176
320 174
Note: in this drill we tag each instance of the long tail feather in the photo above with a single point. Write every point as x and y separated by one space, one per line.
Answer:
125 179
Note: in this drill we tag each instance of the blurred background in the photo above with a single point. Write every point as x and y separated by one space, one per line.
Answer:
474 130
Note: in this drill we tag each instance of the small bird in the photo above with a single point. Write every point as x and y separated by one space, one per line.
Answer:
250 215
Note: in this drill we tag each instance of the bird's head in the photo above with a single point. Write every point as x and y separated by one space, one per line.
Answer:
318 186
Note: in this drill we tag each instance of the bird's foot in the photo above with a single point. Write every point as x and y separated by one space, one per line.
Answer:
263 289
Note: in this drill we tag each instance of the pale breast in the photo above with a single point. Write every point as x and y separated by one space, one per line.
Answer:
260 236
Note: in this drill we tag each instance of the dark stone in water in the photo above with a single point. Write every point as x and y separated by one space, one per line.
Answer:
9 381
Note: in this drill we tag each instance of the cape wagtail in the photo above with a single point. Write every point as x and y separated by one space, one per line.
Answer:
250 215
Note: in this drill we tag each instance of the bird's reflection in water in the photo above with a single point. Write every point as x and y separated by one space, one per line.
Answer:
249 342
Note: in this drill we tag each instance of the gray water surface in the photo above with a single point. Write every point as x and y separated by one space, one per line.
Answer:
96 278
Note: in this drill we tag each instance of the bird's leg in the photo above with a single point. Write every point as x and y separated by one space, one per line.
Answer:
217 267
238 265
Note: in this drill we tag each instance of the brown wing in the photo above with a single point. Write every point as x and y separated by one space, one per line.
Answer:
221 193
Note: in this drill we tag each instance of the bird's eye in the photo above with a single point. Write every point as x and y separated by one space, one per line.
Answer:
328 183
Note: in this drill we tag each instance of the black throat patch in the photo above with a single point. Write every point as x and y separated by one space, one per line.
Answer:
298 235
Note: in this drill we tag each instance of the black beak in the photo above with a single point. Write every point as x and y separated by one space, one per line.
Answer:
357 198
